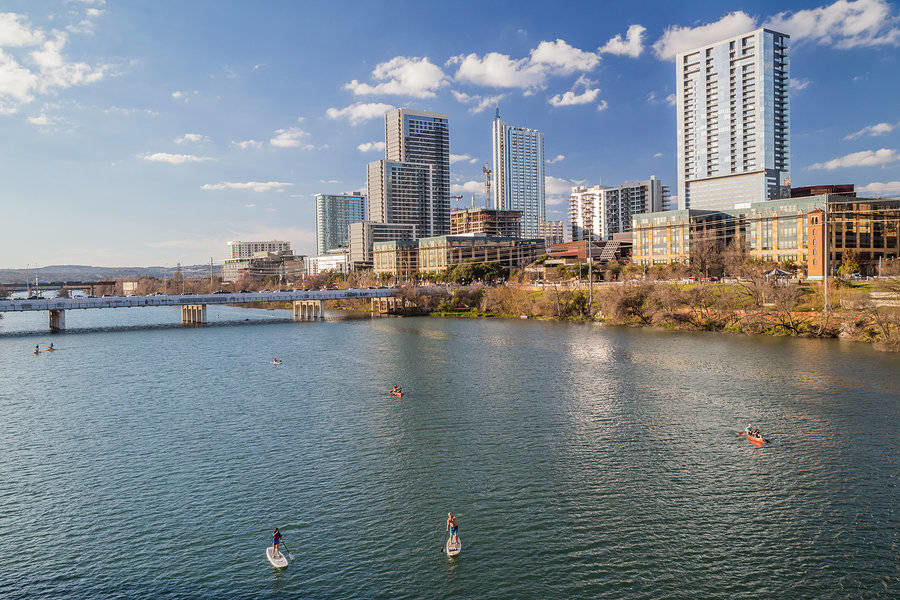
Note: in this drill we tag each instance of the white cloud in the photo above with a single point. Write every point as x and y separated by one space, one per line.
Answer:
290 138
887 188
359 112
455 158
556 159
469 187
677 38
41 120
191 138
329 181
19 84
658 155
866 158
177 94
873 130
15 31
174 159
563 58
253 186
371 147
670 99
632 45
93 12
573 98
843 24
479 103
798 84
129 112
245 144
602 105
529 73
416 77
558 189
184 96
498 70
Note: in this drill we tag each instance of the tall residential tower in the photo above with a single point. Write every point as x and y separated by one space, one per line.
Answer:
733 121
334 213
412 184
518 174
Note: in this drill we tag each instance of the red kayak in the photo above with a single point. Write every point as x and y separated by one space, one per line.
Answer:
397 394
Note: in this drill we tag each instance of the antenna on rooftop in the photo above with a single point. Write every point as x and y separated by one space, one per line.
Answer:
497 113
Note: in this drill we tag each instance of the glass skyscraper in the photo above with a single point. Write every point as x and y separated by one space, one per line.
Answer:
334 213
733 121
518 175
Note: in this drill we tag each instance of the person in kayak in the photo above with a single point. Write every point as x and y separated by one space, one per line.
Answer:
276 539
749 429
453 528
51 347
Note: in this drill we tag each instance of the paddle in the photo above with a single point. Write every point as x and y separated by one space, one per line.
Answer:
290 554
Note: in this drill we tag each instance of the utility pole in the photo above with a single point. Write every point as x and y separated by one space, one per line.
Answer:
590 250
826 245
210 275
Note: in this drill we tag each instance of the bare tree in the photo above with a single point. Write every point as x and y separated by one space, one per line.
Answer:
706 254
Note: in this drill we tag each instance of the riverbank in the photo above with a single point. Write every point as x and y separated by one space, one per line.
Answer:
743 308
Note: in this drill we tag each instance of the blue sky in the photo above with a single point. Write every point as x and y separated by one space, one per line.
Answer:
139 133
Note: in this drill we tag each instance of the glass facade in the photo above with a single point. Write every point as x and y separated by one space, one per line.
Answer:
334 214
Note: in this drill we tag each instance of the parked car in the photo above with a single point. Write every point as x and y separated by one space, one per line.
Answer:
221 292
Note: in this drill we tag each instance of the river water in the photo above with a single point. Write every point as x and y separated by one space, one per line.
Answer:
582 461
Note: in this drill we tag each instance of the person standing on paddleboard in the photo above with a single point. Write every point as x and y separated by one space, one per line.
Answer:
453 528
276 539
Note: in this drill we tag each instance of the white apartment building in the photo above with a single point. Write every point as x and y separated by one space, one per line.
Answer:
733 122
600 211
518 175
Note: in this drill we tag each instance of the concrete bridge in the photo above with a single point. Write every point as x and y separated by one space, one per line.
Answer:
307 305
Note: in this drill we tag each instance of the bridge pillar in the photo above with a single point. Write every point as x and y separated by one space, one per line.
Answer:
193 314
309 310
57 320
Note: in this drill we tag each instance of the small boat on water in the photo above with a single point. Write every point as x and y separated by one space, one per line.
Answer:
395 393
759 441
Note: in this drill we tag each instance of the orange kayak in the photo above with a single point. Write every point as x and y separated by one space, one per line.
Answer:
398 394
755 440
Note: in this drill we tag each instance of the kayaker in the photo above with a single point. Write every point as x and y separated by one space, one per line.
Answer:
453 528
37 348
51 346
276 539
749 429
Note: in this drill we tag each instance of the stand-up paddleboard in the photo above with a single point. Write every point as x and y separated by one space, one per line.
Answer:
280 562
453 549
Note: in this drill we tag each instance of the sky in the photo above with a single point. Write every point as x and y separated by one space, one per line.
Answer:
150 133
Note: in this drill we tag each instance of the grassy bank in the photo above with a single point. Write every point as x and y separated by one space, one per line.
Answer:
751 307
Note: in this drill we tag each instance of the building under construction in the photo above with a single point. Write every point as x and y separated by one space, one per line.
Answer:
485 221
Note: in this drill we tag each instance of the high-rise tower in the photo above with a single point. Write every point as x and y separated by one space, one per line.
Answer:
519 174
733 121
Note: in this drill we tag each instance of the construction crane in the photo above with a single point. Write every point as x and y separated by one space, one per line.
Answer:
487 183
457 198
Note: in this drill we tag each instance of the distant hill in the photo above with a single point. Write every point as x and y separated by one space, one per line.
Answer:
89 273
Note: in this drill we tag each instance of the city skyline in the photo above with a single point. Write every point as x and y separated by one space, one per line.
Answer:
130 141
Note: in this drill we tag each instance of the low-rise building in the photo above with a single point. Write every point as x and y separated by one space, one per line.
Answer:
364 234
553 232
569 253
485 221
439 253
778 231
337 260
399 258
238 255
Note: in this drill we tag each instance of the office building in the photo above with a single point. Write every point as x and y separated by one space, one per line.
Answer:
778 231
399 258
439 253
238 255
364 234
518 174
733 139
600 211
334 213
412 184
485 221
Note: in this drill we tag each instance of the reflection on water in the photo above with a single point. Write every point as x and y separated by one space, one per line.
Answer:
582 461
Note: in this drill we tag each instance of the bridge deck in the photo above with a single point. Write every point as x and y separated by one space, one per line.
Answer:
179 299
